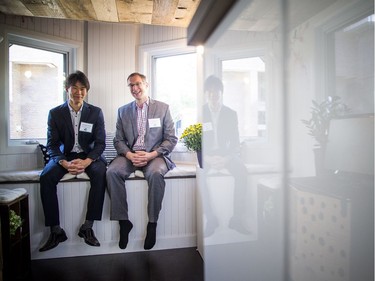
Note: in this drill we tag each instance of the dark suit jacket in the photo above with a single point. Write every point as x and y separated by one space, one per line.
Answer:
227 132
60 133
159 138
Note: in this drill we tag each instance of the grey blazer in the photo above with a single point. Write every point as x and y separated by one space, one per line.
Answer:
161 138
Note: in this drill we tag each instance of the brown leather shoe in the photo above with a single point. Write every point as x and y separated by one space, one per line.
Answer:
53 240
89 236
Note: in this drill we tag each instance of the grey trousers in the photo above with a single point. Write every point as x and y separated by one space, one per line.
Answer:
117 173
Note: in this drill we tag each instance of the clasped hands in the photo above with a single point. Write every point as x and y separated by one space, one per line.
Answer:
77 166
141 158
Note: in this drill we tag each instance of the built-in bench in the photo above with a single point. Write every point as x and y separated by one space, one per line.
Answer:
182 170
176 225
180 221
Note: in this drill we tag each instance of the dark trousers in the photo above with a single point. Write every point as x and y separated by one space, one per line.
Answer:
52 174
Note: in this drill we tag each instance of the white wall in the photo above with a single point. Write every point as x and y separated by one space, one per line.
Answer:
110 55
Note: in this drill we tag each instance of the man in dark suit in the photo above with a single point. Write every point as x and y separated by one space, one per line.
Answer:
75 142
221 146
145 137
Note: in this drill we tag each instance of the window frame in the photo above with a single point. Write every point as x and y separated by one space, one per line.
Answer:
147 55
73 50
324 44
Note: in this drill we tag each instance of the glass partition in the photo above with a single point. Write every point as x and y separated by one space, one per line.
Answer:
286 187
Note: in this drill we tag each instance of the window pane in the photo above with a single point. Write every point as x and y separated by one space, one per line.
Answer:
243 86
176 84
354 65
36 85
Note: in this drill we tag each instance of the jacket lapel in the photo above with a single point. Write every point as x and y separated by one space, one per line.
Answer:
85 113
151 112
68 120
133 117
151 109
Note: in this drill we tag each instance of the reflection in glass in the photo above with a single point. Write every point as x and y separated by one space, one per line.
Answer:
244 82
353 65
303 225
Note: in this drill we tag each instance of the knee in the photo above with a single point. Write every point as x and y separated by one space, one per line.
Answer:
116 172
154 175
46 178
110 172
42 177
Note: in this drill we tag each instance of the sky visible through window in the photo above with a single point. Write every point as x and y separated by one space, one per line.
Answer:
176 84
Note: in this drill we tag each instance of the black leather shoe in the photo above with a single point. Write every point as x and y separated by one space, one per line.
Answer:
125 227
53 240
151 236
89 236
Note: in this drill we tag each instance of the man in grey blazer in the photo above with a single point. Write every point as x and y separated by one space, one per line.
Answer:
75 142
145 137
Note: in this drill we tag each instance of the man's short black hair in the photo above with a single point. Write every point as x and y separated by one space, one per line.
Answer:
213 83
75 77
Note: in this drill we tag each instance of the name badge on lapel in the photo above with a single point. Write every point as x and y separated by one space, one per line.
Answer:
207 127
86 127
154 122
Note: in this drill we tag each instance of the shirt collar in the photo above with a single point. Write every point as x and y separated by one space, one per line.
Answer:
147 102
71 108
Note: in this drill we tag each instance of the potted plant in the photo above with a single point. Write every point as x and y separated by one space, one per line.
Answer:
15 222
318 124
192 138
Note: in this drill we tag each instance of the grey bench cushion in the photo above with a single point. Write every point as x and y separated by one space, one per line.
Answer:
8 195
183 170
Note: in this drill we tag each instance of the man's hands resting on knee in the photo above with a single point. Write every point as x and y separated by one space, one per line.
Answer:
76 166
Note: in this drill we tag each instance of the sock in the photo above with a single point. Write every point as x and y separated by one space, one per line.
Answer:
150 236
125 227
87 224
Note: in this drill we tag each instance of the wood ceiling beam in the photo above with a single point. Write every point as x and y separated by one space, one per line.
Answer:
157 12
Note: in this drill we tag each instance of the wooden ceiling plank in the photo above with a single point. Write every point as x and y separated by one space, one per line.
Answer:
135 11
41 8
183 13
167 12
80 10
164 11
14 7
105 10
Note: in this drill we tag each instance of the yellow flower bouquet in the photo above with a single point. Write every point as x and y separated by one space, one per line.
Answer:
192 137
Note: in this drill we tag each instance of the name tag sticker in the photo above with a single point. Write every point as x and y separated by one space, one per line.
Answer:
207 127
154 122
86 127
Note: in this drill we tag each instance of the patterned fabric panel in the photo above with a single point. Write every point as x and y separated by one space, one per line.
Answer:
110 152
46 156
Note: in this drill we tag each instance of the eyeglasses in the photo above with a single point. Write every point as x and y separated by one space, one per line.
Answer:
135 84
